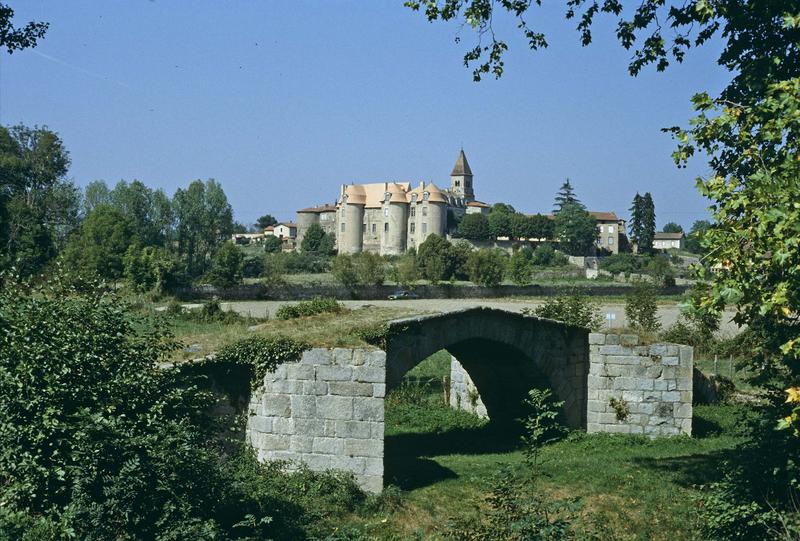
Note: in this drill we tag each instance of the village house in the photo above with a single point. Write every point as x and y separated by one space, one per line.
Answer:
668 241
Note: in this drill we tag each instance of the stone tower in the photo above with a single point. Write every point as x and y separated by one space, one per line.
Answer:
461 179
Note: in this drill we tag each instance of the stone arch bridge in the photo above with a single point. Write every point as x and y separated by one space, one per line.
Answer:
327 409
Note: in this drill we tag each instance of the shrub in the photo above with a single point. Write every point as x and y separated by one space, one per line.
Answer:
460 252
520 266
344 270
435 259
661 270
543 255
627 263
253 267
272 244
261 354
404 270
226 266
362 269
317 241
101 443
572 307
299 262
317 305
641 308
486 267
153 269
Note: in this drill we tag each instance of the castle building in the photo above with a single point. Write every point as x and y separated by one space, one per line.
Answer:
391 217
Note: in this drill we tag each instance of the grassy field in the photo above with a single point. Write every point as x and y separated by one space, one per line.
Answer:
630 488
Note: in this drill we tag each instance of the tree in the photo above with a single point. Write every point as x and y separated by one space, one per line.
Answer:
641 308
97 249
435 259
226 267
148 211
575 230
565 196
500 220
272 244
694 238
16 39
486 267
637 220
672 227
204 221
541 227
316 241
648 233
95 193
38 205
152 268
265 221
474 227
521 226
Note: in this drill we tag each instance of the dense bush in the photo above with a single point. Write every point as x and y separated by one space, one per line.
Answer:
226 266
520 266
99 442
627 263
641 308
486 267
272 244
253 267
298 262
435 259
317 241
571 307
362 269
262 354
153 269
317 305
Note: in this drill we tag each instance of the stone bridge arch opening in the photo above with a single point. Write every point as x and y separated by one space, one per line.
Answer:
497 357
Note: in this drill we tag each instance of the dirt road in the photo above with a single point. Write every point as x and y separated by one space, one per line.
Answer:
668 313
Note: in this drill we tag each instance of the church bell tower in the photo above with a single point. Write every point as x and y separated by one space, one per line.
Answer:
461 178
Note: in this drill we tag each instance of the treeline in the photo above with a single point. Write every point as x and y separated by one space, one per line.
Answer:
127 231
571 225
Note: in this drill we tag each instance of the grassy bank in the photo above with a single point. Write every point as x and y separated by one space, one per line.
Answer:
630 488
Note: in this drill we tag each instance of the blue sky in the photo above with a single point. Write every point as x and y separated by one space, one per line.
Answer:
282 102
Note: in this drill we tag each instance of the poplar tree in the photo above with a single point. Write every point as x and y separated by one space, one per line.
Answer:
648 223
635 224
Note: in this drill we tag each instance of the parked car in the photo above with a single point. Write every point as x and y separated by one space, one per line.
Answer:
402 294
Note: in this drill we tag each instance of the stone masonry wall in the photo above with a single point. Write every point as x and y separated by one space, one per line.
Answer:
463 392
650 384
326 411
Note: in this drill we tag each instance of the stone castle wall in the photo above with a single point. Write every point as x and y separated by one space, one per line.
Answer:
325 411
651 386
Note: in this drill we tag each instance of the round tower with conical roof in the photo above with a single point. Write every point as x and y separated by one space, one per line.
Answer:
461 179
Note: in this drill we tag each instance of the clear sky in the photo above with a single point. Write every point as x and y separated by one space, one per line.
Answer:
281 102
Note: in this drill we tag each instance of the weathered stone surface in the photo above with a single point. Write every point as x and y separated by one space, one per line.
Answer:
327 410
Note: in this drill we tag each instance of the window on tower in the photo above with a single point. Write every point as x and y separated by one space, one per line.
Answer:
457 183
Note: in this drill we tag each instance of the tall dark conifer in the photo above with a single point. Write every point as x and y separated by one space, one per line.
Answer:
635 224
565 196
648 223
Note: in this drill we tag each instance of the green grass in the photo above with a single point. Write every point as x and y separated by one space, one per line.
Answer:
322 330
632 487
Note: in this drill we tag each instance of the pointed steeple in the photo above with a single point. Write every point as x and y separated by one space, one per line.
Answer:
461 168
